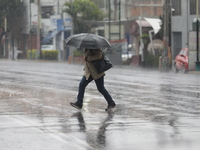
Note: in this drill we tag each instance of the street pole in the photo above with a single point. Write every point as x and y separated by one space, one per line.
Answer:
109 19
72 23
141 41
166 26
164 62
119 19
5 30
39 29
197 27
141 48
30 32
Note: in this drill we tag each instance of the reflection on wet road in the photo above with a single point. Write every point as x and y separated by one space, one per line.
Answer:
154 110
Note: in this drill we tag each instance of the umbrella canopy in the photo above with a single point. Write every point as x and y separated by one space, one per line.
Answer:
87 40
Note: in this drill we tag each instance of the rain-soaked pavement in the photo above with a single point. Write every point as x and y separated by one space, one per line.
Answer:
155 111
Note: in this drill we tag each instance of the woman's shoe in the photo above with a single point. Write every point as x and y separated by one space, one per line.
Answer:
110 107
76 105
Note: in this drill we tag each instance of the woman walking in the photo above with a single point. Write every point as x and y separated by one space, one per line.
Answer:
90 74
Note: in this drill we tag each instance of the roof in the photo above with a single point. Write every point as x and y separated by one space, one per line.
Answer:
150 22
155 23
144 23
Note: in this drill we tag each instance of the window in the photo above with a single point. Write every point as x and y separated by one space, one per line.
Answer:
178 44
193 7
176 5
47 11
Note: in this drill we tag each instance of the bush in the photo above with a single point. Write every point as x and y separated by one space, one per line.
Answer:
46 55
78 53
31 54
50 55
151 60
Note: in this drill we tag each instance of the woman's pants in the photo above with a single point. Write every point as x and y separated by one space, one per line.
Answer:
100 86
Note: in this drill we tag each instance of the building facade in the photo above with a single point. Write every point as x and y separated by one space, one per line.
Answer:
122 16
46 17
184 14
147 8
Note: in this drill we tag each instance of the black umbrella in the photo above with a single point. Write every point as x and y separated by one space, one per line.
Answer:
87 40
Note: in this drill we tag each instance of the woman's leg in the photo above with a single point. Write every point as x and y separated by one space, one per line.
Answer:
100 86
82 85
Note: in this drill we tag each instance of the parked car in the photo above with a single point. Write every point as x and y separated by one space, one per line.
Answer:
181 61
47 47
126 55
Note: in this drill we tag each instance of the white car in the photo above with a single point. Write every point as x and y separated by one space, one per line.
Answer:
126 55
47 47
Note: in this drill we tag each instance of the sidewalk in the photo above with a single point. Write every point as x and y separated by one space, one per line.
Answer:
194 72
114 66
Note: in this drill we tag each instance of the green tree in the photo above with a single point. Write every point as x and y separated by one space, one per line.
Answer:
81 12
12 10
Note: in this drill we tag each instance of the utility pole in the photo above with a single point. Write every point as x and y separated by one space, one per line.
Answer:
165 62
39 29
58 7
30 32
141 48
166 22
109 19
141 51
5 30
197 16
119 19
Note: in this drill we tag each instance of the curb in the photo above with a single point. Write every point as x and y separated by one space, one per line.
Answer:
194 72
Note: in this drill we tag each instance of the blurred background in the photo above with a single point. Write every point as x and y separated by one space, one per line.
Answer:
147 33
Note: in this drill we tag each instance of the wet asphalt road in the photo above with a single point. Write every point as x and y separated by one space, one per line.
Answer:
154 110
